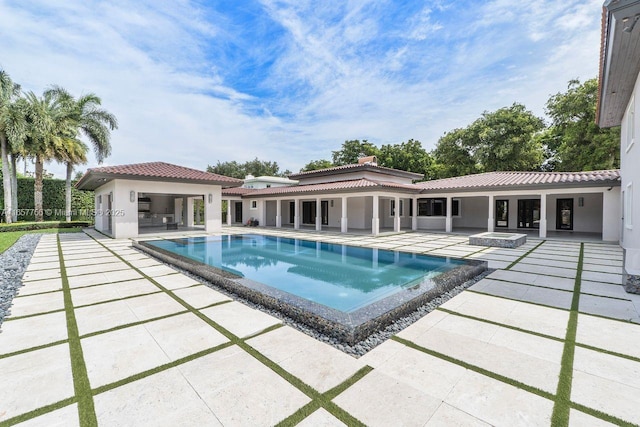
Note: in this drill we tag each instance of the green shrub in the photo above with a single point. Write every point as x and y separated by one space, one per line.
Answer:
82 202
29 226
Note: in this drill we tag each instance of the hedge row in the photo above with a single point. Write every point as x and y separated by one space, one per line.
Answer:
82 202
28 226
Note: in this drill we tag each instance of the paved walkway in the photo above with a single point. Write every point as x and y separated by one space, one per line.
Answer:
102 334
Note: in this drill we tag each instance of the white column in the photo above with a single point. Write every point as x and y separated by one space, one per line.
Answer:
611 215
190 202
229 202
296 214
491 220
262 212
414 217
448 222
318 214
543 216
375 220
344 220
396 215
278 213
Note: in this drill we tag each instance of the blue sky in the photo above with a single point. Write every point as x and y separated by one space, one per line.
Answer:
196 82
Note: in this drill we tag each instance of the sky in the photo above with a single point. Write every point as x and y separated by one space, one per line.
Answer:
197 82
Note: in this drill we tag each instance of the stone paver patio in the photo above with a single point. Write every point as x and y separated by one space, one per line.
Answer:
100 333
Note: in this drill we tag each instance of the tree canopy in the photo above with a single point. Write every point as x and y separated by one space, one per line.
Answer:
253 167
314 165
352 150
574 141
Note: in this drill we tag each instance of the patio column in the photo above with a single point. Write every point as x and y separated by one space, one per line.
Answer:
414 217
396 214
448 222
344 220
190 203
318 214
296 214
491 221
197 206
543 216
278 214
229 202
375 220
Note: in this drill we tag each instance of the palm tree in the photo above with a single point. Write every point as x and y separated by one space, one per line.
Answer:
72 152
11 133
47 128
86 118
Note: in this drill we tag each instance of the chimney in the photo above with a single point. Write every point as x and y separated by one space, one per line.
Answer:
370 160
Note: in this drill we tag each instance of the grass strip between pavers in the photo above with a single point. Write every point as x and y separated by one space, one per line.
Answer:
81 385
474 368
240 342
561 408
27 350
37 412
521 257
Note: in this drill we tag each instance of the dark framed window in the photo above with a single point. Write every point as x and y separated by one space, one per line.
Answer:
437 207
502 213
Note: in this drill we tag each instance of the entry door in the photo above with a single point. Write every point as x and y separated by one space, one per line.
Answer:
529 213
324 206
564 214
308 212
502 213
292 211
238 211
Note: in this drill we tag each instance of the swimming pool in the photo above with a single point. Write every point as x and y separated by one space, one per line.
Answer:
321 284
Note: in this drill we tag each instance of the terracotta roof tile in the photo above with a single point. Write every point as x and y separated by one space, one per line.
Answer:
330 186
163 170
519 179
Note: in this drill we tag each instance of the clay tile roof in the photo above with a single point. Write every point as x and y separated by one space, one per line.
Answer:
152 170
338 186
522 179
336 170
237 191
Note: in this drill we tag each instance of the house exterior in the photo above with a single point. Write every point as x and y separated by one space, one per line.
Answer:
151 197
619 105
364 197
251 181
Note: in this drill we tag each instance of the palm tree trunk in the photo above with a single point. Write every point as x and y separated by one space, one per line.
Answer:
14 188
6 179
37 190
67 192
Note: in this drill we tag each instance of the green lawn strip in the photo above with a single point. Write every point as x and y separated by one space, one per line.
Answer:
37 412
521 257
128 325
532 285
475 368
519 300
107 301
27 350
240 342
8 238
502 325
560 415
26 316
602 415
160 368
609 352
81 385
325 400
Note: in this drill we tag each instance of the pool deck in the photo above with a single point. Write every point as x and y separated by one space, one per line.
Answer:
102 333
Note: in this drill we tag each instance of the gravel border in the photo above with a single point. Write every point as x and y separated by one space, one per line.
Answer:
358 349
15 261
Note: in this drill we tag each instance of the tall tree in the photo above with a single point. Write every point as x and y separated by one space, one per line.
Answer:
503 140
82 117
452 156
574 140
314 165
407 156
352 150
11 133
253 167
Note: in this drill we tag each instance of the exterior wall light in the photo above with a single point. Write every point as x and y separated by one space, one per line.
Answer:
210 198
132 196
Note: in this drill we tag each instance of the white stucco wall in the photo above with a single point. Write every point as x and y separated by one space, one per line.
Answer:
352 176
125 212
629 154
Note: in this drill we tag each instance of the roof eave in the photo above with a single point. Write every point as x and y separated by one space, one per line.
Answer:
93 180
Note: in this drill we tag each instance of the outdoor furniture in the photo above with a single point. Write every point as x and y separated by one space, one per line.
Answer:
172 226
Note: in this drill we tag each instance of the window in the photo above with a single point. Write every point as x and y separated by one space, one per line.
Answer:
254 204
631 123
437 207
268 185
502 213
628 206
393 208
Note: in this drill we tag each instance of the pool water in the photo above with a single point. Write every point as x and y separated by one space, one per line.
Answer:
342 277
